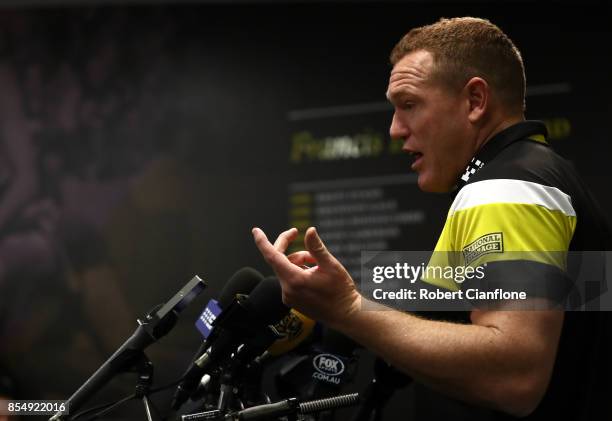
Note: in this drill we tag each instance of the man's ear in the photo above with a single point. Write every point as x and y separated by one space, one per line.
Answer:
478 92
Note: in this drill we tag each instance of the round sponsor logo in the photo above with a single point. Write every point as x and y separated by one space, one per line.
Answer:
328 364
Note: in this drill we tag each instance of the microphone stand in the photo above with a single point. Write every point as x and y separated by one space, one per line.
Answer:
144 368
130 355
291 409
226 393
235 371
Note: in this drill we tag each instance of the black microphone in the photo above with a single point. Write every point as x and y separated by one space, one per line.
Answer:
250 329
288 409
241 282
293 406
248 321
152 327
296 331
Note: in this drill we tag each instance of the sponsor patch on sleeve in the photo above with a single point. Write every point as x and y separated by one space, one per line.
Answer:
486 244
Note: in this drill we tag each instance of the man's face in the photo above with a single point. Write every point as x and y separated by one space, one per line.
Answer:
431 121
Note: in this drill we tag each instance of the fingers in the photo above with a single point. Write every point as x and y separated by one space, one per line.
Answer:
277 260
284 239
301 258
263 244
317 249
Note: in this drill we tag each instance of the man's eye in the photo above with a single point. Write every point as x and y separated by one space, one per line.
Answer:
407 105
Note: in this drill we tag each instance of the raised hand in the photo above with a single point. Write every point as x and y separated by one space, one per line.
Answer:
324 292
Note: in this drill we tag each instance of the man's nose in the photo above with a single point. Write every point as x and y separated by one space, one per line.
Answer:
398 129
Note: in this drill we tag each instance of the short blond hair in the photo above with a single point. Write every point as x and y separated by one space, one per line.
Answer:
469 47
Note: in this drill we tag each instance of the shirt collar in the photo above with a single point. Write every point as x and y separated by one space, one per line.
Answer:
525 130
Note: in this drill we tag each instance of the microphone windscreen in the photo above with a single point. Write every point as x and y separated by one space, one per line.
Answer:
266 301
241 282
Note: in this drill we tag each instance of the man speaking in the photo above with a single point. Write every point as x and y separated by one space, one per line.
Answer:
458 91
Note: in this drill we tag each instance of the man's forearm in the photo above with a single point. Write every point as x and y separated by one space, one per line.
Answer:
494 363
503 359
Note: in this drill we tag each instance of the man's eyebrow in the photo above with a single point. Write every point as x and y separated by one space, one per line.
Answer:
391 97
392 93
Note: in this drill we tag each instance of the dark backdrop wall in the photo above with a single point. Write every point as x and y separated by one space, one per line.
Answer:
139 145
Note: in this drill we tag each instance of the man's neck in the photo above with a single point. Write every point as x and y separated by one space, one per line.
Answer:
489 131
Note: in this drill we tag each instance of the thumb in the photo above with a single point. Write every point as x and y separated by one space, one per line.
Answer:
317 249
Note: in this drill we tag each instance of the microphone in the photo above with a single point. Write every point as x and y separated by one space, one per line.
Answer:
241 282
287 409
247 321
247 330
293 406
156 324
295 329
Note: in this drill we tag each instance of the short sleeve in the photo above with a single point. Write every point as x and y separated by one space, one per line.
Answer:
519 230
